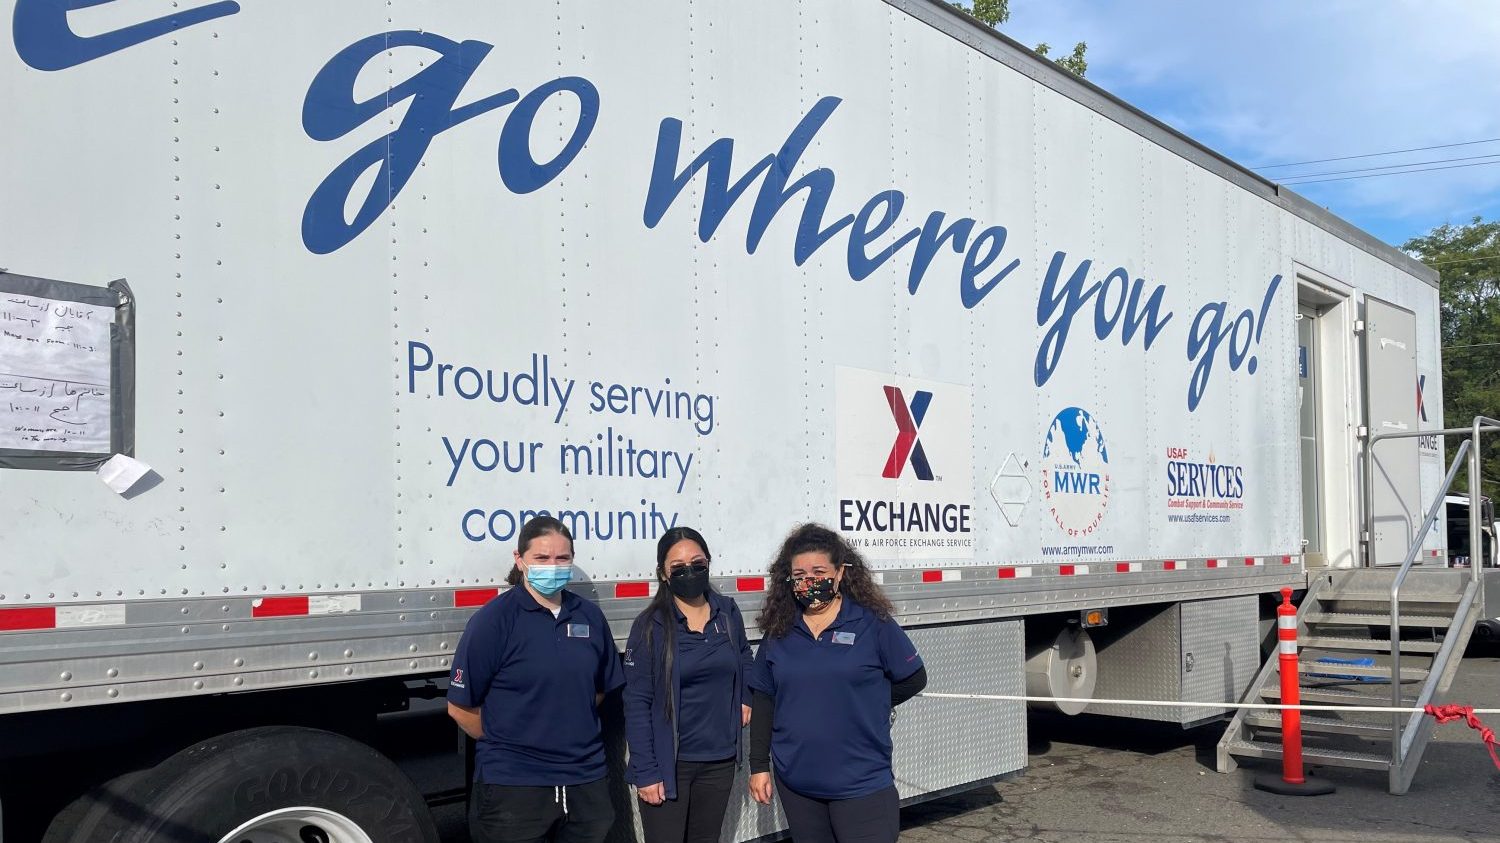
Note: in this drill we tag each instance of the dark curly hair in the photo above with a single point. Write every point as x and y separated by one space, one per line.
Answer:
781 608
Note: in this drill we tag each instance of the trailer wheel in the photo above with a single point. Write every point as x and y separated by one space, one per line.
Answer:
80 821
277 784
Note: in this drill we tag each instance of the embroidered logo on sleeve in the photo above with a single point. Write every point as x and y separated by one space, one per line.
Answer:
578 630
458 678
843 638
629 657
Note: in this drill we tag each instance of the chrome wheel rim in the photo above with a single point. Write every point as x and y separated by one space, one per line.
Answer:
298 825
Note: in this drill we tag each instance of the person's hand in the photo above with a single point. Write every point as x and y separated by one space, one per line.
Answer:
652 794
744 715
760 787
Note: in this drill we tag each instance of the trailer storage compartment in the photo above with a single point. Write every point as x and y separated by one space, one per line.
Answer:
1194 651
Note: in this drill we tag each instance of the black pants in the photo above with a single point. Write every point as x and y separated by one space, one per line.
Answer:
500 813
866 819
697 814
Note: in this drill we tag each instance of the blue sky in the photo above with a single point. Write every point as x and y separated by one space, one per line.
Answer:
1282 81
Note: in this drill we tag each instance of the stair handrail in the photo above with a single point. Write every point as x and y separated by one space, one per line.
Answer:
1464 449
1437 678
1476 533
1482 423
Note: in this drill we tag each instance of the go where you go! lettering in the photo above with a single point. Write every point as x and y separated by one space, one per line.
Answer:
938 248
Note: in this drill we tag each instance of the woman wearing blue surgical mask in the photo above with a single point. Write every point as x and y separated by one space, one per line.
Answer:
832 666
528 676
685 696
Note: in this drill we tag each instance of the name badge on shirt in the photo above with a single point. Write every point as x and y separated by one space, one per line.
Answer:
843 638
578 630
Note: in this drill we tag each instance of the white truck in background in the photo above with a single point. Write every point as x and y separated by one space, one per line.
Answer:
336 295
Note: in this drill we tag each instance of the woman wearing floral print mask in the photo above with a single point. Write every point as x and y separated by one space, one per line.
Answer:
830 645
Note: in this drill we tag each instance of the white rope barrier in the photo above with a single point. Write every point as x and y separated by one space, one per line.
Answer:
1379 709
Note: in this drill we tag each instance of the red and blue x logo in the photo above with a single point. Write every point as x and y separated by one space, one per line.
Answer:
1421 404
907 446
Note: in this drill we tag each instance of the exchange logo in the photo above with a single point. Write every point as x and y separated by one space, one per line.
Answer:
1075 472
911 498
907 447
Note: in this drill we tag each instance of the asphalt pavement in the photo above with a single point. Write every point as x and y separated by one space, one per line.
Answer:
1105 780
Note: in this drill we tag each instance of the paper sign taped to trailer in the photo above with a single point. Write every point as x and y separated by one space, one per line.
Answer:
54 375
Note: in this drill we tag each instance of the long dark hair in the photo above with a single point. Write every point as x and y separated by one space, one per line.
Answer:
661 608
539 526
781 609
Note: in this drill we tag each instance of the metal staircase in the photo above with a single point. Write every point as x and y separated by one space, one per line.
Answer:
1372 637
1346 616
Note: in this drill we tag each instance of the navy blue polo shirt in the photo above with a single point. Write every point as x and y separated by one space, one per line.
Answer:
534 678
831 733
708 725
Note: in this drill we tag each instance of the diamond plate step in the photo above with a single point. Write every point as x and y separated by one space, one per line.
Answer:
1379 645
1322 725
1319 756
1385 597
1328 672
1334 696
1361 619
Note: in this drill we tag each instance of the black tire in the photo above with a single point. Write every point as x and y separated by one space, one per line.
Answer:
80 821
1483 632
206 791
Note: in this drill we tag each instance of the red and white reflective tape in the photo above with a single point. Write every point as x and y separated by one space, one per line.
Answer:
61 617
1286 634
465 597
625 590
30 618
298 605
333 604
942 575
278 607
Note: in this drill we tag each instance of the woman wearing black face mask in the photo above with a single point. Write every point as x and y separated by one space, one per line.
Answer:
685 696
831 667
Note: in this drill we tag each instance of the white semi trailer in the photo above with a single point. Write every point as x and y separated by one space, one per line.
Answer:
334 295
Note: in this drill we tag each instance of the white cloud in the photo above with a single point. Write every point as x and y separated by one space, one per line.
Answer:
1284 81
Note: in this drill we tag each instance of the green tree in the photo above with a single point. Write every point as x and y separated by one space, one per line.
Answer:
1075 64
996 12
1468 256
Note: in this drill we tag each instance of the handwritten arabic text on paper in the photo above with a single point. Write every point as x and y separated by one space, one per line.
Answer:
54 375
